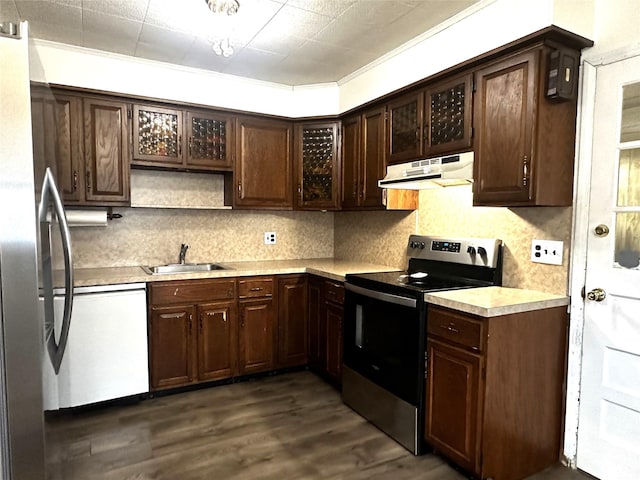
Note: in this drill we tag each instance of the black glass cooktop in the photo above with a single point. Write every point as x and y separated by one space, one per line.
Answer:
403 283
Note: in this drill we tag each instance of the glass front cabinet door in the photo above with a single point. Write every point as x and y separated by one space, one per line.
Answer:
434 121
317 166
181 139
447 120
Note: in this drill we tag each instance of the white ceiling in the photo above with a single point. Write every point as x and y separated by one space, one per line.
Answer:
293 42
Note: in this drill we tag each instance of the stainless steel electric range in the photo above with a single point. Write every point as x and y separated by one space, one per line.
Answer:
385 328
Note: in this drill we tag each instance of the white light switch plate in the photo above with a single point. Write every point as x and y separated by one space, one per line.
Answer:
547 251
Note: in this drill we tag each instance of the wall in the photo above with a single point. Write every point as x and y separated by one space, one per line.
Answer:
58 64
515 226
449 212
374 237
148 236
487 25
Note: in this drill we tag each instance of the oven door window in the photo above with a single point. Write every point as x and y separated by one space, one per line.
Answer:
382 342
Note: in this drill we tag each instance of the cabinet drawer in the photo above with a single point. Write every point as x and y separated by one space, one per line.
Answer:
191 291
334 292
255 287
455 328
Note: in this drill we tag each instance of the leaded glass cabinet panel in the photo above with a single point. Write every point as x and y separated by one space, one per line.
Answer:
447 126
209 141
405 117
317 166
157 134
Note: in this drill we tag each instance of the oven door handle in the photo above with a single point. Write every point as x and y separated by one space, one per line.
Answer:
383 297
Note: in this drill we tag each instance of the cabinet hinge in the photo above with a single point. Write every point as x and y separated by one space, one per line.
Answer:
473 86
129 113
473 132
386 115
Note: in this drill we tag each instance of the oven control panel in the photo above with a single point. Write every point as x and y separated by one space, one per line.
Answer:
439 246
469 251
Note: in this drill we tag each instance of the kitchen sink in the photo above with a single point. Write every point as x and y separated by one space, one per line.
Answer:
182 268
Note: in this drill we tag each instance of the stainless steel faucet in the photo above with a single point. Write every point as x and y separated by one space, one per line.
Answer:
183 253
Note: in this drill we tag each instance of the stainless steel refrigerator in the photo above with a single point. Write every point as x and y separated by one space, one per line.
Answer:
29 206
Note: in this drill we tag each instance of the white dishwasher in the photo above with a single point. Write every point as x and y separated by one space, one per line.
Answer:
106 356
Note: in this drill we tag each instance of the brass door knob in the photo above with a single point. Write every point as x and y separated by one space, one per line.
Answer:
596 295
601 230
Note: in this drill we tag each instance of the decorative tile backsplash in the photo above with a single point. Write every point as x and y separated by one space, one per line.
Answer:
150 188
449 212
375 237
146 236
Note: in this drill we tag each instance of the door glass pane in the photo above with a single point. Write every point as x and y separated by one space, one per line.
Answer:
630 130
627 252
629 178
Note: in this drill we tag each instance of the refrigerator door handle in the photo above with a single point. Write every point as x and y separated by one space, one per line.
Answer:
51 195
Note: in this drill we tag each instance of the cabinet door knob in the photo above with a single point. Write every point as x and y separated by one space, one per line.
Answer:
75 181
525 171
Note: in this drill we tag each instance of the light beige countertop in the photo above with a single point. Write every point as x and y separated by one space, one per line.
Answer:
495 301
326 267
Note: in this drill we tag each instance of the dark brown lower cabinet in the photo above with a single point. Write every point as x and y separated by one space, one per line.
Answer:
452 390
171 346
317 324
292 321
192 332
326 312
217 346
201 330
334 314
256 338
494 390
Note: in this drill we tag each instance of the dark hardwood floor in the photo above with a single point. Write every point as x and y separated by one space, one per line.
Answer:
284 427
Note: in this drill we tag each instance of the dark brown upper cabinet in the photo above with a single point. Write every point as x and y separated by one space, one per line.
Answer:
85 140
57 141
447 122
317 166
107 151
263 167
182 139
432 121
363 149
405 117
524 146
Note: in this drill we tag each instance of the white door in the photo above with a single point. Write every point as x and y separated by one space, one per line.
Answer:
609 412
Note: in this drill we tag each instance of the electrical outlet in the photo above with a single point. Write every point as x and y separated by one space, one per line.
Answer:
547 251
269 238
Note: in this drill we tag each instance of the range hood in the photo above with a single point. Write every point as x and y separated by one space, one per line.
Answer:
447 171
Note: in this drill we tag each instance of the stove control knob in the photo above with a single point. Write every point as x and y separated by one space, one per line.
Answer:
471 250
422 245
482 251
413 245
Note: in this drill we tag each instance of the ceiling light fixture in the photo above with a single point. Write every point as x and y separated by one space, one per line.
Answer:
222 10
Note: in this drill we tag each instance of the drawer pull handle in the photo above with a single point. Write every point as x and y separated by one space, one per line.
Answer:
450 328
255 289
